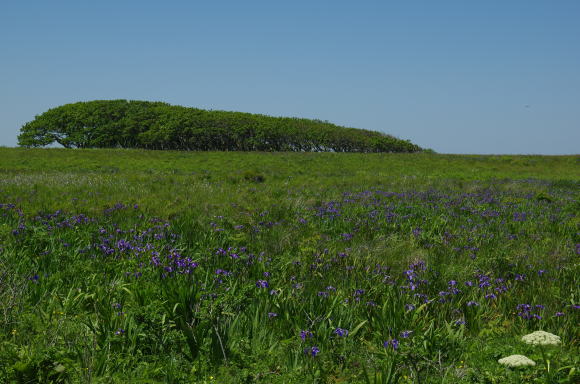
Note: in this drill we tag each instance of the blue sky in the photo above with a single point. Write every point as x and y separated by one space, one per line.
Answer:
494 76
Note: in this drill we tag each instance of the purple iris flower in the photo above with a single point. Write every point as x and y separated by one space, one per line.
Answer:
304 334
262 284
394 343
312 351
406 334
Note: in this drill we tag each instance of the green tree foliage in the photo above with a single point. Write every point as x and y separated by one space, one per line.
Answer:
157 125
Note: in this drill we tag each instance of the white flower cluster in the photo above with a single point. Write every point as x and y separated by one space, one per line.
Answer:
515 361
541 338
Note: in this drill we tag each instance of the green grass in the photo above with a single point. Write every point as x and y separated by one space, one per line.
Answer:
87 238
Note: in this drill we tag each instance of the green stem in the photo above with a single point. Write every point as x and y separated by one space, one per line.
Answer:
547 362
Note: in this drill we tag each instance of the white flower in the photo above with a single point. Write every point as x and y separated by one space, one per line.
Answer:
515 361
541 338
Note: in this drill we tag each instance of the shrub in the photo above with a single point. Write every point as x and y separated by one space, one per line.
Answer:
156 125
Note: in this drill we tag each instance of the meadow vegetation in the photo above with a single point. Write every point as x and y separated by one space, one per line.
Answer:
142 266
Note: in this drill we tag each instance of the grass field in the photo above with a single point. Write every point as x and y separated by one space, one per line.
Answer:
125 266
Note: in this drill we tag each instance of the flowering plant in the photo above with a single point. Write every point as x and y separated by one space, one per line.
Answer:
516 361
541 338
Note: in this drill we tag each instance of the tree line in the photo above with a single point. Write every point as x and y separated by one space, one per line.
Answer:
158 125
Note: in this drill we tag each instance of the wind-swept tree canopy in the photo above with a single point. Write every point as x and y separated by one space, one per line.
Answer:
157 125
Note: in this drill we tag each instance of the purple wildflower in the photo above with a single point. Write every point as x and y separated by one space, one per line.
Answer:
312 351
394 343
406 334
304 334
262 284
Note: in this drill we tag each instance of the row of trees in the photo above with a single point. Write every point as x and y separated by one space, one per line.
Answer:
157 125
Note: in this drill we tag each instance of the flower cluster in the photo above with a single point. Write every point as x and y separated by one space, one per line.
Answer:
529 312
541 338
516 361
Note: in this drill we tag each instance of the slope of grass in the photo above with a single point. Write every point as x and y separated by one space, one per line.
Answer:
149 266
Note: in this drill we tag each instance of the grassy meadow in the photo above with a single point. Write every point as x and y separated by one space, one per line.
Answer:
131 266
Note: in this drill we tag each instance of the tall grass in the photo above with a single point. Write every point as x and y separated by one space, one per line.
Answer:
129 266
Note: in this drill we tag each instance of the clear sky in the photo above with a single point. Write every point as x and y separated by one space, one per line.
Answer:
457 76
